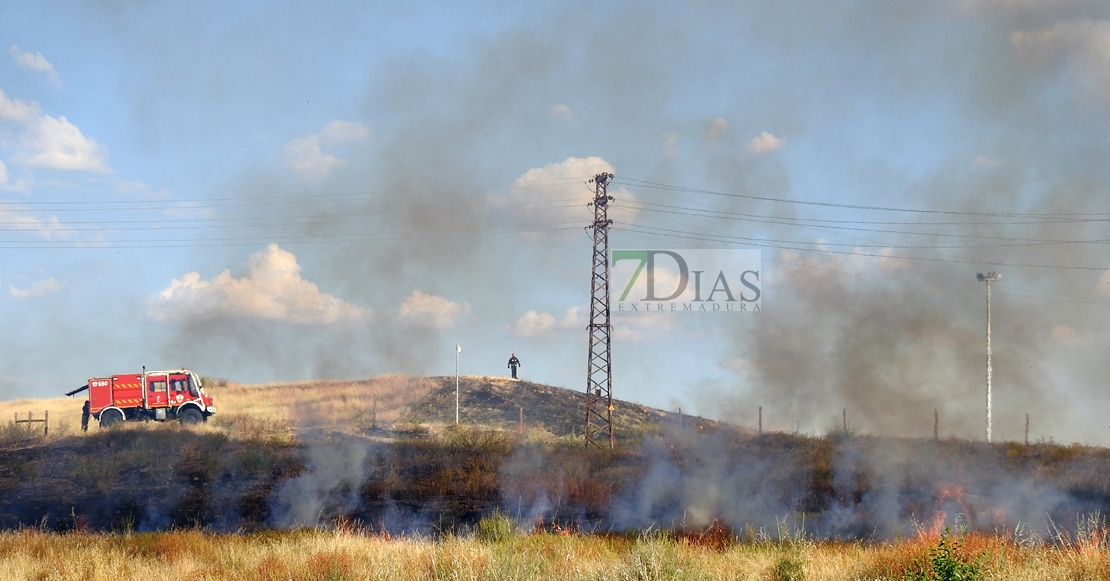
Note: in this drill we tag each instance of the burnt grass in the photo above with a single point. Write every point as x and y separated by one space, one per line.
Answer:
408 480
165 479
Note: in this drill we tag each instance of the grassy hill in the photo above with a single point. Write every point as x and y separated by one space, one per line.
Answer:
383 405
384 453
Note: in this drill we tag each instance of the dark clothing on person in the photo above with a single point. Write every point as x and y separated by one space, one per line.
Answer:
85 416
513 364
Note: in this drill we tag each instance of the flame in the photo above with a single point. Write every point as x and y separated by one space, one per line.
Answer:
540 527
946 496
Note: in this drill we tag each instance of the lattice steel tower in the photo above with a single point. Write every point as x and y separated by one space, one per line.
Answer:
599 369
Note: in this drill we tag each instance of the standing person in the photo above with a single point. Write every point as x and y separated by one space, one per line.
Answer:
513 364
85 416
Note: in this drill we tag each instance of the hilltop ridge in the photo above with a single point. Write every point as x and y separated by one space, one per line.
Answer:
506 403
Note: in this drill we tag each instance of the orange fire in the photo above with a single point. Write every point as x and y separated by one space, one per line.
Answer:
946 495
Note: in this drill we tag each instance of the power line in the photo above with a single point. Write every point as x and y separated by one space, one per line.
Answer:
251 241
824 224
896 246
357 218
722 238
655 185
306 198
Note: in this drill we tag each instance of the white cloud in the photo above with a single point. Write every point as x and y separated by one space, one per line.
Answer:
573 318
717 128
3 173
304 157
1083 49
48 142
17 110
568 176
34 62
645 327
765 142
272 290
562 111
557 195
533 324
340 131
39 289
48 229
55 143
431 311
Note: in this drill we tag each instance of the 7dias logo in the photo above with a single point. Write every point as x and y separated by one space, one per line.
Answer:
686 281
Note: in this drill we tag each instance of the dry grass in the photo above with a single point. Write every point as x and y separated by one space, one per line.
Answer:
323 404
60 408
65 414
338 555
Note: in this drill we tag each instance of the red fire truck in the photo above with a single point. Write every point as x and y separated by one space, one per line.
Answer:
150 395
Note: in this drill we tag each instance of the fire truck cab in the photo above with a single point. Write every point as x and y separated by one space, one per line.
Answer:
150 395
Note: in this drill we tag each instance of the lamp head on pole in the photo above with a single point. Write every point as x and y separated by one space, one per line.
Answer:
989 277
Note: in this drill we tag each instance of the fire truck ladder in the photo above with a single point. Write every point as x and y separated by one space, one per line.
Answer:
599 369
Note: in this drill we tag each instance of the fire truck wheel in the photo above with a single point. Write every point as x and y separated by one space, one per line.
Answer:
190 416
110 418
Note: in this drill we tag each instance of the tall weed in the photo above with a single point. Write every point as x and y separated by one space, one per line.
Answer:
495 528
946 562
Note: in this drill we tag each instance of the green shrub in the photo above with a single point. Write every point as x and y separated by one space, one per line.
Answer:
789 567
477 439
496 527
945 564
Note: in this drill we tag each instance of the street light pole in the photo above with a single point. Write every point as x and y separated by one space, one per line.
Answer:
988 278
458 349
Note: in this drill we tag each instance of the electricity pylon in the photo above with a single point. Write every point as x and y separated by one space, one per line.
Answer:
599 367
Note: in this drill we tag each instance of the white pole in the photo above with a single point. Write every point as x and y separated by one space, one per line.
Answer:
989 278
989 361
458 350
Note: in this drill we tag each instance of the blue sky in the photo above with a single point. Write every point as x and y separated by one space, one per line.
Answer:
282 191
